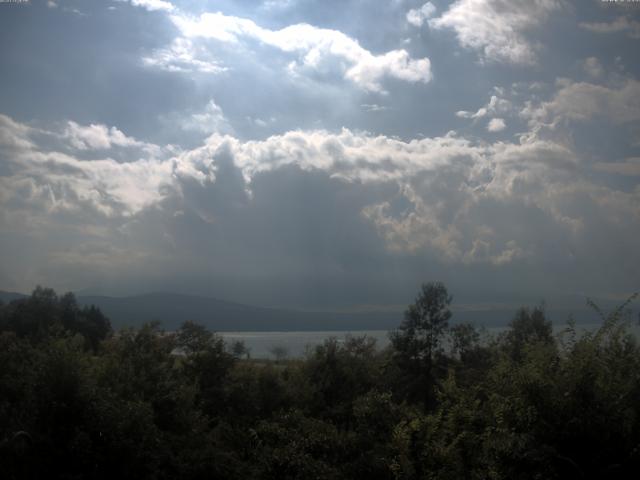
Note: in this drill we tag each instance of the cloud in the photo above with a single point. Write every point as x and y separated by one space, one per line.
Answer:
582 101
417 16
349 155
496 125
343 204
373 107
152 5
316 49
496 105
278 4
210 120
497 28
58 181
14 135
268 190
619 25
49 182
97 137
593 67
630 167
183 56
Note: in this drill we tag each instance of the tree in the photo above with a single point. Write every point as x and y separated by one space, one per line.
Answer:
207 363
339 372
193 338
88 321
527 327
239 349
279 352
46 314
419 339
464 339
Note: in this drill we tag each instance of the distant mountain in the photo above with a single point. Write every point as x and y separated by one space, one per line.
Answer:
6 297
171 310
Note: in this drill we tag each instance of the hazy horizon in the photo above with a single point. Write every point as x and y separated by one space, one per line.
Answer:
321 155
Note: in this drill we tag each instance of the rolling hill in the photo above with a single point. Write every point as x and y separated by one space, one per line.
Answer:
171 310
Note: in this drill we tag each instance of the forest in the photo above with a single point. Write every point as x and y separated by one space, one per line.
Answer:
442 401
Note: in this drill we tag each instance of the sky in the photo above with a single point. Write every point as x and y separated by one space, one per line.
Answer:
321 154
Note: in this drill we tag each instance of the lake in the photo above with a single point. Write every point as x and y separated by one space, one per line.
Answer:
260 344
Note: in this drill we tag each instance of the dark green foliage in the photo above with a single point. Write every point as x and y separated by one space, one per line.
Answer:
337 373
465 339
528 327
76 402
417 344
44 314
420 335
207 364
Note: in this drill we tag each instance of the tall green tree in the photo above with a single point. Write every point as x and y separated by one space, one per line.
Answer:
527 327
418 341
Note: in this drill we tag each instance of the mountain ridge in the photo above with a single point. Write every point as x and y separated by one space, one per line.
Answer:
172 309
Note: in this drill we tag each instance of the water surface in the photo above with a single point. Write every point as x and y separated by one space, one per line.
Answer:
295 343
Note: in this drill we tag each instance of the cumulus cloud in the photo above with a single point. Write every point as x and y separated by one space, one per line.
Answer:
210 119
271 188
326 201
316 48
497 29
352 156
54 182
65 182
417 16
496 105
496 125
97 137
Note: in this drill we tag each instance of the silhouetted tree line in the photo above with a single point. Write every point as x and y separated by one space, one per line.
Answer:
441 402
